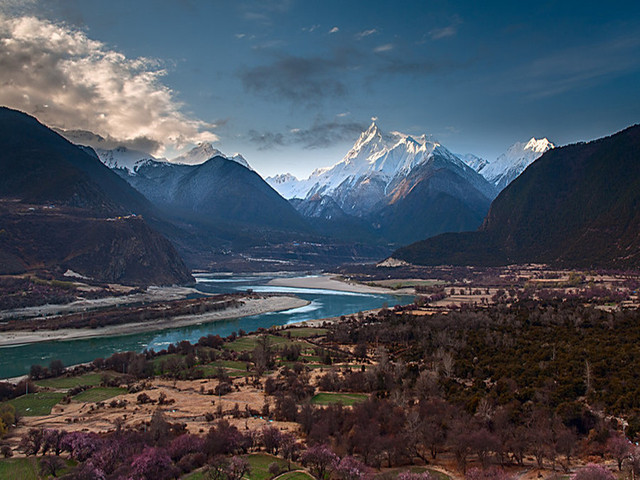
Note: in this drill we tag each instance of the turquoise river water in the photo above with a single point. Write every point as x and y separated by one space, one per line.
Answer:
17 360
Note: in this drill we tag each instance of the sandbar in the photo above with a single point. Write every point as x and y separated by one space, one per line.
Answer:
250 306
331 282
152 294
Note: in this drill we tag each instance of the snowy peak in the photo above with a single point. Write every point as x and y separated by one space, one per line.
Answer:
205 151
539 146
123 158
198 154
376 164
473 161
281 178
287 185
508 166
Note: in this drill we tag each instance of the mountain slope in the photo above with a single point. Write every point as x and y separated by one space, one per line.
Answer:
40 166
60 204
406 188
577 205
203 152
508 166
219 190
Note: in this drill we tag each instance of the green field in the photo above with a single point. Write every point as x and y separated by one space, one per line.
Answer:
296 476
22 468
247 344
437 474
260 462
36 404
89 379
98 394
344 398
395 284
311 366
304 332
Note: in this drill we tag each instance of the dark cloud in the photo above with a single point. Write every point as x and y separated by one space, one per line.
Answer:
297 79
402 66
85 137
266 140
319 135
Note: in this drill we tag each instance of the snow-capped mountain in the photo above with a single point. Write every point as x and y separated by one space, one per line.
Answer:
403 187
473 161
122 157
506 168
130 160
205 151
368 172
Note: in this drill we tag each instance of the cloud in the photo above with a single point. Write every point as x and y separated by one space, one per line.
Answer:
400 66
298 79
446 31
578 67
365 33
383 48
438 33
320 135
67 80
263 11
266 140
85 137
334 30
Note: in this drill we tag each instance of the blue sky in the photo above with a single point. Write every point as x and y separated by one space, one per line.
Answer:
290 84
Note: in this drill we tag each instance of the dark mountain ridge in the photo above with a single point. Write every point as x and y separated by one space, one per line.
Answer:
62 208
576 206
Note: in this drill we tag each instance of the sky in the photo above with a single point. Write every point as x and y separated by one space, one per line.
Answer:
290 84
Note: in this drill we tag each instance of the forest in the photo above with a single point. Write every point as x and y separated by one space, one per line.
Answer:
478 391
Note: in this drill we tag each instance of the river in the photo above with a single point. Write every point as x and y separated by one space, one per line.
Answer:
17 360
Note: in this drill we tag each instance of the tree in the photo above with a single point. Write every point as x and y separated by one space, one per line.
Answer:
152 464
492 473
263 354
349 468
32 441
482 443
320 460
159 427
52 441
81 445
618 447
288 447
184 445
37 371
271 439
51 465
566 444
56 368
593 472
237 468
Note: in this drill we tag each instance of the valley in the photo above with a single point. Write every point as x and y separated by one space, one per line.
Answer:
440 370
289 240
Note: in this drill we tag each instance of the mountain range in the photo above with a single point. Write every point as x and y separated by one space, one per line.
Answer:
406 188
390 187
576 206
62 209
